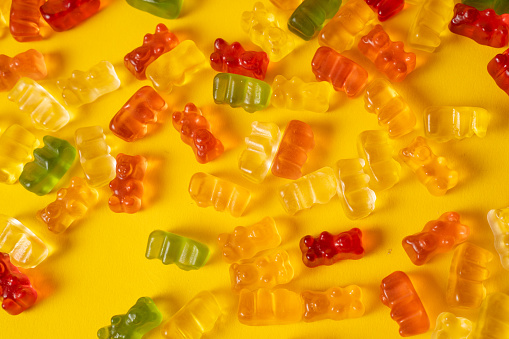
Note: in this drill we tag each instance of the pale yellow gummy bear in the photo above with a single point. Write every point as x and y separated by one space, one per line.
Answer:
16 146
448 326
297 95
443 123
499 223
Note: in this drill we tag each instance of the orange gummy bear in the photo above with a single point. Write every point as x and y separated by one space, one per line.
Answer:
28 64
297 141
195 131
127 187
25 19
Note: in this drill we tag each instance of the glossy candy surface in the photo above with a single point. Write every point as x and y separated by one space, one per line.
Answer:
63 15
398 293
498 68
16 146
25 20
500 6
389 57
195 131
207 190
318 187
357 199
261 147
246 241
344 74
391 109
141 318
85 87
241 91
264 31
194 319
50 164
270 307
95 158
298 140
234 59
168 9
448 326
154 45
386 8
71 204
465 287
16 291
327 249
175 67
383 170
437 236
187 254
143 108
485 28
493 319
499 224
297 95
429 24
127 186
446 123
25 249
347 25
45 111
261 272
308 18
337 303
286 4
29 64
432 171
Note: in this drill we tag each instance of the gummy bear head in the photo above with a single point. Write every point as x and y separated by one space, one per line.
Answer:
159 41
132 167
140 318
418 152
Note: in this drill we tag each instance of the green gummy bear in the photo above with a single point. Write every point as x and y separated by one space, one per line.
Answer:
50 164
168 9
500 6
140 319
241 91
170 248
308 18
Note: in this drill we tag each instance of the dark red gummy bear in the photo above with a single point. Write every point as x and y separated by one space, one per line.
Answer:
386 8
17 291
63 15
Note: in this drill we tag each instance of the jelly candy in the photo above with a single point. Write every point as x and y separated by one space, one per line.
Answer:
29 64
63 15
493 319
497 68
286 4
127 186
16 146
308 18
17 293
24 20
386 8
451 327
297 95
336 303
168 9
499 224
445 123
500 6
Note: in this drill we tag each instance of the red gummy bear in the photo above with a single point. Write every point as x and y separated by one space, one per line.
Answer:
28 64
328 249
127 186
499 70
24 20
386 8
17 291
130 123
438 236
234 59
485 28
195 131
154 45
63 15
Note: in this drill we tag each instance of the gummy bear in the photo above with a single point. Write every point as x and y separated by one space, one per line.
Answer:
294 94
451 327
498 69
127 186
337 303
16 146
499 224
286 4
25 20
500 6
493 319
168 9
16 291
445 123
29 64
63 15
308 18
386 8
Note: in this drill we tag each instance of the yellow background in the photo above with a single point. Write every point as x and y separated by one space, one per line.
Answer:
97 268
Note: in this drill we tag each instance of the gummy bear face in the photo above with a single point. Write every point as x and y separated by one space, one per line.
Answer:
124 168
53 211
245 275
419 152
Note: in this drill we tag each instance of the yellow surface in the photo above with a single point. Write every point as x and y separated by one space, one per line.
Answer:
97 268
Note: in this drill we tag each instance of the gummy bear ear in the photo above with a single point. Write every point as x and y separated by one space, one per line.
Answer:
453 216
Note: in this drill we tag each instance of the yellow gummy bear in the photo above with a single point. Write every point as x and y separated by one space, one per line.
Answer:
337 303
4 16
297 95
269 307
98 164
431 170
264 31
262 272
357 198
286 4
261 147
348 24
245 241
175 67
25 249
499 223
194 319
16 146
443 123
465 288
451 327
208 190
383 170
85 87
493 319
45 111
392 111
318 187
430 22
